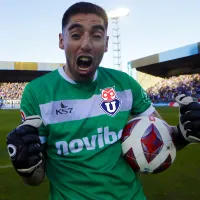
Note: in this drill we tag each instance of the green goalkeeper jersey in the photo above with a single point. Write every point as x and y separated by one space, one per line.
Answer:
82 127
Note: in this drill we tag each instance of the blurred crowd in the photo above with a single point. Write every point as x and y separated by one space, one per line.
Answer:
167 89
164 91
12 91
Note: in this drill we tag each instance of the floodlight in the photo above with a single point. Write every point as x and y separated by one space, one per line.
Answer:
115 16
120 12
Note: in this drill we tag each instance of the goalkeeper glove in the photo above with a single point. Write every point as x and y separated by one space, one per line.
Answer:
189 118
24 146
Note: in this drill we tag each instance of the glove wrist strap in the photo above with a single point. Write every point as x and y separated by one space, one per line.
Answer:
26 174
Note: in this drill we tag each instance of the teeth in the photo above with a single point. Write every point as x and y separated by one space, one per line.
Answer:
84 59
83 68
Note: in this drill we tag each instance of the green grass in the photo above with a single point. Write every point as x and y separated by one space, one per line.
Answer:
179 182
12 187
9 120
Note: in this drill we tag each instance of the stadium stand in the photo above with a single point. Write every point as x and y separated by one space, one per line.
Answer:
163 75
15 75
11 91
164 91
167 89
167 74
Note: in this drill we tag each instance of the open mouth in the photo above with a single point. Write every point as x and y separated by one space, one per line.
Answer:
84 62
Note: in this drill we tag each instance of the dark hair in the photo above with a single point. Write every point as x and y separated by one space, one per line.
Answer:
85 8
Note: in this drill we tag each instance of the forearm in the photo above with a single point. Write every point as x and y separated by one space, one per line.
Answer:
37 177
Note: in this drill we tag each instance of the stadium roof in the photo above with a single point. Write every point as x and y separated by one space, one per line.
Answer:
183 60
24 71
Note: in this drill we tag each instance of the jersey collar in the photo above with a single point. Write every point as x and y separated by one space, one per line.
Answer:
68 79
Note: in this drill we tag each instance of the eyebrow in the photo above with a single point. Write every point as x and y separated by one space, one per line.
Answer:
75 25
98 26
94 27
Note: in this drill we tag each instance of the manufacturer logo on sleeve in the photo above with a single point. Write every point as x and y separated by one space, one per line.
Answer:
111 103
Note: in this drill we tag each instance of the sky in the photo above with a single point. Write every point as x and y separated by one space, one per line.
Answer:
29 28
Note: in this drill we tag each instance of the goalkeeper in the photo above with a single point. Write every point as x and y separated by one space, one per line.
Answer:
73 118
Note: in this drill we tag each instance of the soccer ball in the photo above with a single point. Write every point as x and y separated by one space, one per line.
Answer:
147 145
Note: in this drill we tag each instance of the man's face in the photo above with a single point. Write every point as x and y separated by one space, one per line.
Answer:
84 41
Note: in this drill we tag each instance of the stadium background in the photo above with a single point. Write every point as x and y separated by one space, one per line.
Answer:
155 72
148 71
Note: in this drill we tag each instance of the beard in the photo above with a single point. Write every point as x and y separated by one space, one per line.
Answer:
73 72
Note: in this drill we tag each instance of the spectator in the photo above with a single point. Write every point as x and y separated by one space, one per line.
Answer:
168 89
164 91
11 91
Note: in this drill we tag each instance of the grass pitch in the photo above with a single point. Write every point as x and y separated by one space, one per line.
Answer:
179 182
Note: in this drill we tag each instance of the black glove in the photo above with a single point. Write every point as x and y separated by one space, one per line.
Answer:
189 118
24 146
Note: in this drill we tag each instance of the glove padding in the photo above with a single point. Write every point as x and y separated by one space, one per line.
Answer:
189 118
24 146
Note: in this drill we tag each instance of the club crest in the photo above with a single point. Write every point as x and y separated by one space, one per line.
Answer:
110 103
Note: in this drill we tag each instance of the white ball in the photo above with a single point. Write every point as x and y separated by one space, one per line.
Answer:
147 145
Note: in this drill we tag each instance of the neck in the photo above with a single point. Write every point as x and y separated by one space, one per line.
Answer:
79 79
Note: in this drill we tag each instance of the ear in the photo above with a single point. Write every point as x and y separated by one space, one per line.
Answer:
107 39
61 41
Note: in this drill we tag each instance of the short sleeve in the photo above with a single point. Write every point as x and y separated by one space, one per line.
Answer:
30 106
142 104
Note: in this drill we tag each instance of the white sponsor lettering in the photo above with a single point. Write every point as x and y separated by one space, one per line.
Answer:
100 140
104 137
120 134
90 145
76 145
62 148
109 137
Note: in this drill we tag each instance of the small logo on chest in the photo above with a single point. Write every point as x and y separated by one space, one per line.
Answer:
110 103
63 110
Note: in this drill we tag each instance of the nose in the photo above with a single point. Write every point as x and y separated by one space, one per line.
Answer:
86 44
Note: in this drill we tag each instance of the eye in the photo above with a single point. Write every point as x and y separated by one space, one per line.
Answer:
76 36
97 36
